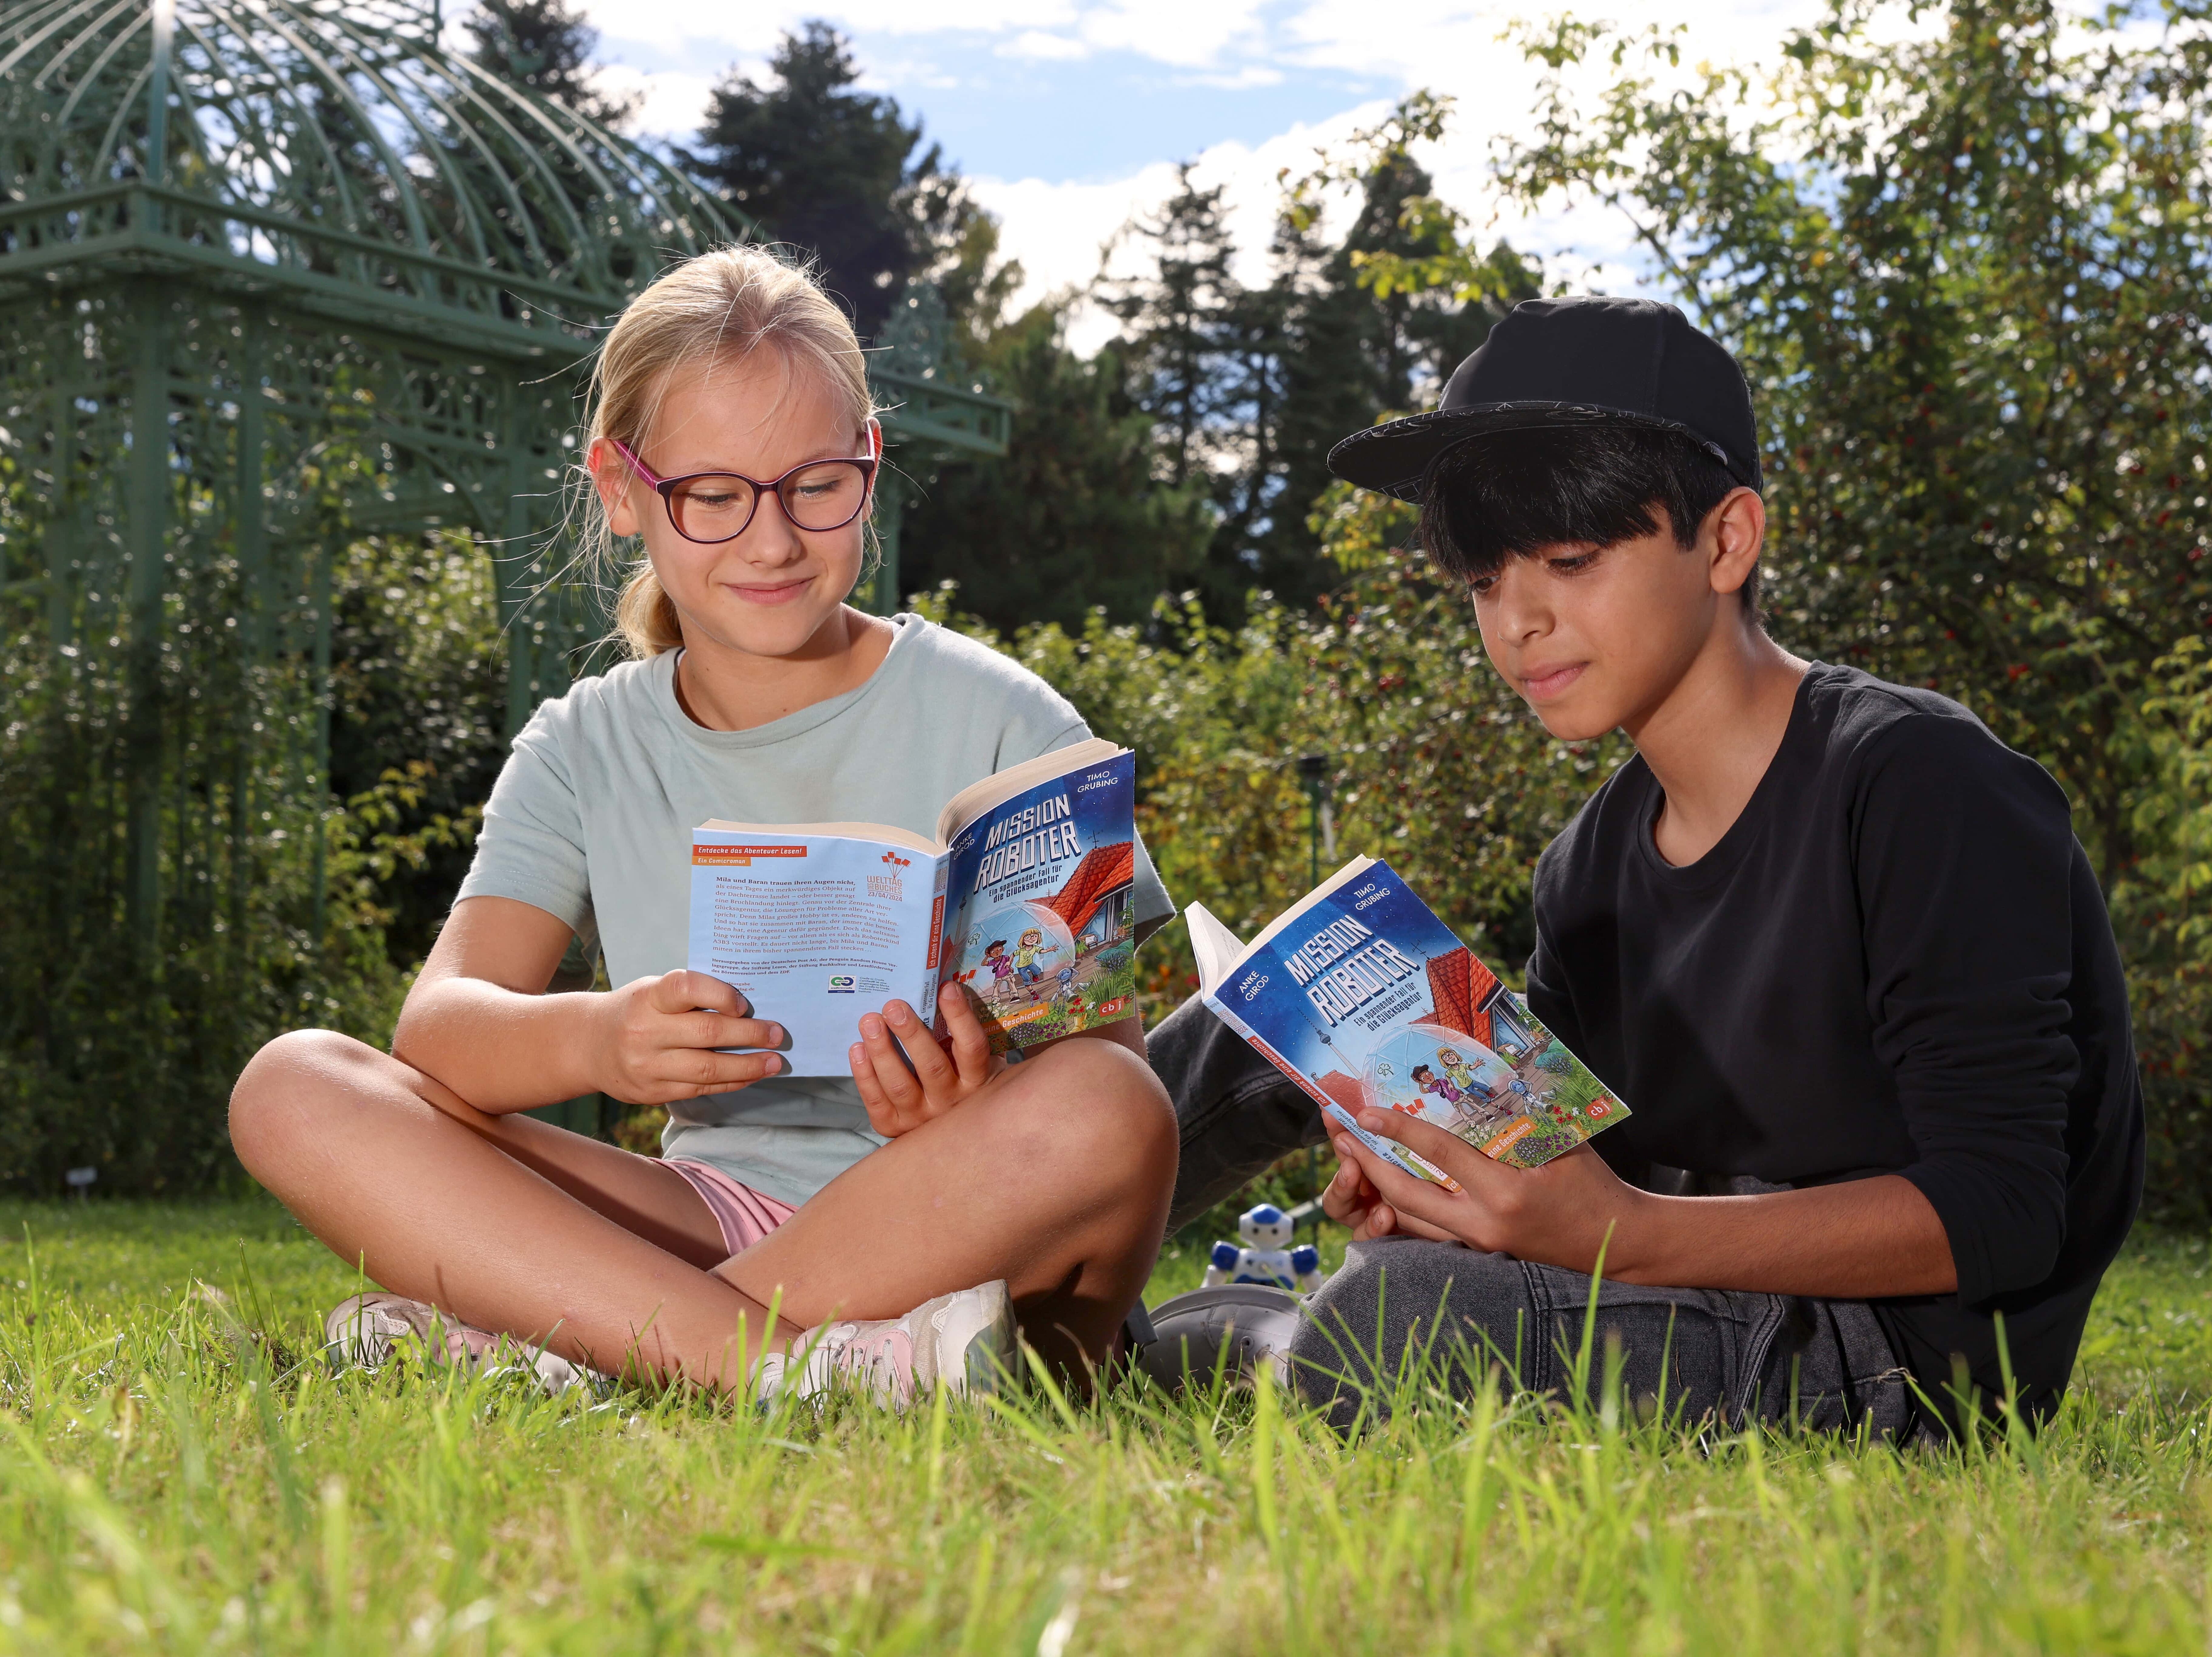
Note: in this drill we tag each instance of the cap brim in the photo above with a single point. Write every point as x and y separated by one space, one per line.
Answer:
1393 458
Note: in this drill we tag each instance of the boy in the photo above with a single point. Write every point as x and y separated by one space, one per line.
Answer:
1834 944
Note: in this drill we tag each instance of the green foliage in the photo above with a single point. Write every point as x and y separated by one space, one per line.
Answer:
1965 268
1072 516
1432 763
1249 388
2161 906
180 1472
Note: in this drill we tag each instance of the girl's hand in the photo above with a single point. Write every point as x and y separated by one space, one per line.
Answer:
1559 1214
900 1100
655 1040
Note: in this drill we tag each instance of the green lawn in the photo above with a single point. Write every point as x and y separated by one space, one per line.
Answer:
175 1478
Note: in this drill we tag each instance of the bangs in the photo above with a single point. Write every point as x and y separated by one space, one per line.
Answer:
1512 493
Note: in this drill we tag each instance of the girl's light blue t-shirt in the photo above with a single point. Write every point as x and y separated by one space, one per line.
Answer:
591 821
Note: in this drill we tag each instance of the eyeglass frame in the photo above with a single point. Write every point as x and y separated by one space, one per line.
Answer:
665 488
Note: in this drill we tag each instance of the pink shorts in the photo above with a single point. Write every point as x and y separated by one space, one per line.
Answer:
744 1215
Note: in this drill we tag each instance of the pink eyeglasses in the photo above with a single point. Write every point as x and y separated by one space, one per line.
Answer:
710 507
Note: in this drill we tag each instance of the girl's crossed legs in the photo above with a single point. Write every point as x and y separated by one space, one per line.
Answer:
1055 1177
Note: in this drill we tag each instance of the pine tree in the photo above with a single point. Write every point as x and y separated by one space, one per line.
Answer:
1182 319
1356 350
545 46
833 170
1074 515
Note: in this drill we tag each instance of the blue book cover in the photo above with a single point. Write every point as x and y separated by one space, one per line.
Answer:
1363 997
1038 924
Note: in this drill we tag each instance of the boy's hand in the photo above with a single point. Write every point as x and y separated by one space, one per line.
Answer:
900 1100
1352 1198
655 1040
1556 1215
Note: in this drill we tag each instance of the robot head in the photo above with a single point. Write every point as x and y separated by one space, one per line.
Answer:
1265 1227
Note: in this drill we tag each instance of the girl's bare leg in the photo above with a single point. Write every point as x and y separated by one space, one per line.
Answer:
505 1223
1056 1178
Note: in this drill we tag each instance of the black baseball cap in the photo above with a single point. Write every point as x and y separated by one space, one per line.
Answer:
1554 362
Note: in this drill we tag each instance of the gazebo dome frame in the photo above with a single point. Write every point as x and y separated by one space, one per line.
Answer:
274 275
315 278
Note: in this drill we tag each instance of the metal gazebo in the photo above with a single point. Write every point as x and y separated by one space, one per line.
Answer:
274 273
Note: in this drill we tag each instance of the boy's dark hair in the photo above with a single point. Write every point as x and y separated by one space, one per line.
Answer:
1511 494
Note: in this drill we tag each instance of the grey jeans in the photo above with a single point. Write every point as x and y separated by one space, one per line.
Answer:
1721 1354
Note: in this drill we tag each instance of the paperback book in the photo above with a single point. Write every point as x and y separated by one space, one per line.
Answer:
1022 898
1363 997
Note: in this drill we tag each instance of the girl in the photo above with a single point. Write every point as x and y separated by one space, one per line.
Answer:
899 1219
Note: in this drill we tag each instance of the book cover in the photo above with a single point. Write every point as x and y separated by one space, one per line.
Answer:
1037 926
1366 998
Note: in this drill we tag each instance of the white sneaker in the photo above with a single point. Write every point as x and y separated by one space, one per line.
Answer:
361 1332
966 1340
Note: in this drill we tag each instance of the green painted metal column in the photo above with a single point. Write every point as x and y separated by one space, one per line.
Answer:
883 595
249 530
514 563
146 539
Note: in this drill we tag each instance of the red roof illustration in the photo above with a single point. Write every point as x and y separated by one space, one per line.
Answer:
1344 1089
1459 987
1103 870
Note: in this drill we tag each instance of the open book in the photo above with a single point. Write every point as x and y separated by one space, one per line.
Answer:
1361 996
1022 898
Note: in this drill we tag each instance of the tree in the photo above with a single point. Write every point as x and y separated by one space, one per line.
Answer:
1358 350
1250 387
834 171
1972 306
1073 516
545 46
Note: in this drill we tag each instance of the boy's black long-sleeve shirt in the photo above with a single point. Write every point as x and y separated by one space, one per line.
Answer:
1897 961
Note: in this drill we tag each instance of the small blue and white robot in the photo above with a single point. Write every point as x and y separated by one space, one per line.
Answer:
1267 1256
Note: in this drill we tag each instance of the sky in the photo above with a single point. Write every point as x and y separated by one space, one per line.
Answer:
1069 116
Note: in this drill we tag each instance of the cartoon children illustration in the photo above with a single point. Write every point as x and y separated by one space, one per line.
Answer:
1429 1081
995 957
1031 948
1456 1067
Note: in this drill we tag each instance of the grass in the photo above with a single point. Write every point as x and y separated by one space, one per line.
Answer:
174 1477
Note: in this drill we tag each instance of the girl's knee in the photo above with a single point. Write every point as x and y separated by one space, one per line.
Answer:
1096 1103
280 1090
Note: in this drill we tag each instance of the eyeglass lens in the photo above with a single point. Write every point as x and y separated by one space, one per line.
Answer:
826 497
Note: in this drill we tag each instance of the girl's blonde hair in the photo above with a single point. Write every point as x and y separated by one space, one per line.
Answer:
721 307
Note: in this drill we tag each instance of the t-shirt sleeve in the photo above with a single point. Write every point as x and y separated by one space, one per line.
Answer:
1963 851
531 848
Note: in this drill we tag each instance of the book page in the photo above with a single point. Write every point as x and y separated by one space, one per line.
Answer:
876 831
1378 1004
1001 786
1213 945
1038 928
815 929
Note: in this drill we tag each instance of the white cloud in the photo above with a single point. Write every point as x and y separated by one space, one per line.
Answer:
674 102
1037 43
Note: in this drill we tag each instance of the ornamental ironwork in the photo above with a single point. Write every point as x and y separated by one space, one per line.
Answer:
275 275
